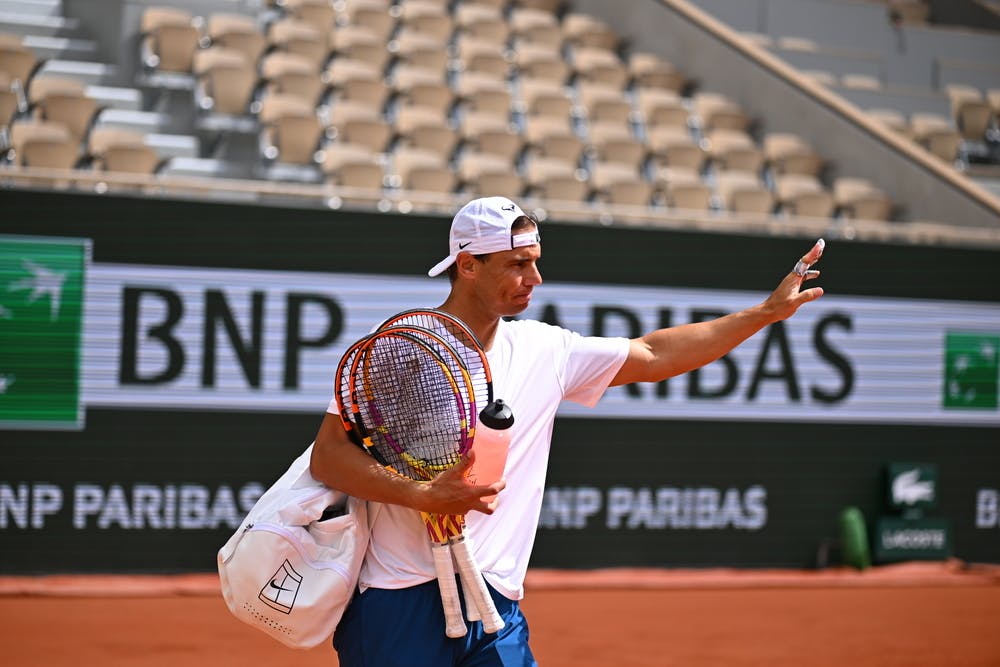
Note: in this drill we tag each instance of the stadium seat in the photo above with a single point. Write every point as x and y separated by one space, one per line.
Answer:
474 55
291 129
419 49
803 195
43 144
892 119
683 189
357 123
292 74
602 102
425 128
595 65
789 153
359 43
937 134
226 80
170 36
352 165
540 97
484 174
356 80
587 31
529 25
8 107
371 14
554 179
417 86
481 22
618 183
648 70
969 110
422 169
425 17
317 13
238 32
744 192
65 101
483 93
17 61
661 108
910 12
300 38
858 199
672 146
552 137
715 111
488 133
610 141
542 63
733 150
860 81
551 6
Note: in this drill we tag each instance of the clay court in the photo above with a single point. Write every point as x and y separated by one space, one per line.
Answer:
912 615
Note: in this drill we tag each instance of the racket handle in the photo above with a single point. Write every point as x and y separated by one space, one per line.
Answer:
471 608
454 623
472 580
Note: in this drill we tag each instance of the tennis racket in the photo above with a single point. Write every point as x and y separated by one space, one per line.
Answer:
454 336
407 398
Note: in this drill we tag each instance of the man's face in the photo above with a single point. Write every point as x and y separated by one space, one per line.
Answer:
504 280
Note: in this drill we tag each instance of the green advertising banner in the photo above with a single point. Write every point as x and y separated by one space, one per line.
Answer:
41 323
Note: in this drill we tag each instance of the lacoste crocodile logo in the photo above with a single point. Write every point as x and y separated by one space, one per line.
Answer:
907 488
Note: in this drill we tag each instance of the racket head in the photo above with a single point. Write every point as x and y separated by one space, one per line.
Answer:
406 402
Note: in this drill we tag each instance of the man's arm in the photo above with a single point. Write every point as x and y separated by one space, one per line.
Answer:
668 352
342 465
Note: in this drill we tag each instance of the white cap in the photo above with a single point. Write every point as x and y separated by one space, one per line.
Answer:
483 226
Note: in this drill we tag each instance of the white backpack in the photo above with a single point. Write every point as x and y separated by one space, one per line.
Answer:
288 572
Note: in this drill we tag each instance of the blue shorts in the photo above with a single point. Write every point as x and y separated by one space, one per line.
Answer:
405 628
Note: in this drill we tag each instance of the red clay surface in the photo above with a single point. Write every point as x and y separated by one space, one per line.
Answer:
912 615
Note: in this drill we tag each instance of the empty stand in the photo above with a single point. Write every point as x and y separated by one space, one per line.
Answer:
170 38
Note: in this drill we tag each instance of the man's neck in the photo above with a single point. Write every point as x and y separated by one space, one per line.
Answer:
484 325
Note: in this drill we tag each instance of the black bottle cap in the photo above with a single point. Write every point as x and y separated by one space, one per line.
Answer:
497 415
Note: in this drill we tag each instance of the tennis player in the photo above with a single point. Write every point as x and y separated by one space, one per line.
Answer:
492 263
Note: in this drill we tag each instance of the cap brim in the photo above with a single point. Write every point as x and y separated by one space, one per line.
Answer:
441 266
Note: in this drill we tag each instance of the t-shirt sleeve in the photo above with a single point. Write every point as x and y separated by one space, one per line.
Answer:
591 364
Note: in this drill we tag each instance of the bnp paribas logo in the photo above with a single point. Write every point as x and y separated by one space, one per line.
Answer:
41 325
971 370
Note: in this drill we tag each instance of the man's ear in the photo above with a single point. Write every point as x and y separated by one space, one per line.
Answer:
466 264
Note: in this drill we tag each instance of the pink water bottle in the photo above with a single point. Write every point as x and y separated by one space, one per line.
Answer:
491 444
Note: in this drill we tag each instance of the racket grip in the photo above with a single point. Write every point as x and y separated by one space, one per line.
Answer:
473 582
471 608
454 623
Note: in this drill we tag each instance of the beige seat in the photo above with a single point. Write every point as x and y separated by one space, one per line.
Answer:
292 74
17 62
858 198
419 49
603 102
129 159
422 169
551 6
734 150
790 154
371 14
318 13
529 25
490 134
303 39
937 134
483 93
352 165
860 82
596 65
586 30
610 141
356 81
8 106
291 130
417 86
804 196
993 99
672 146
910 12
892 119
683 189
617 183
552 137
648 70
425 128
485 174
238 32
554 179
541 62
661 107
43 144
481 22
427 17
539 97
361 43
715 110
170 38
359 124
743 192
226 79
481 57
970 111
65 101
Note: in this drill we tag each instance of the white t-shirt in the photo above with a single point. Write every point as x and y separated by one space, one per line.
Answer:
534 366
